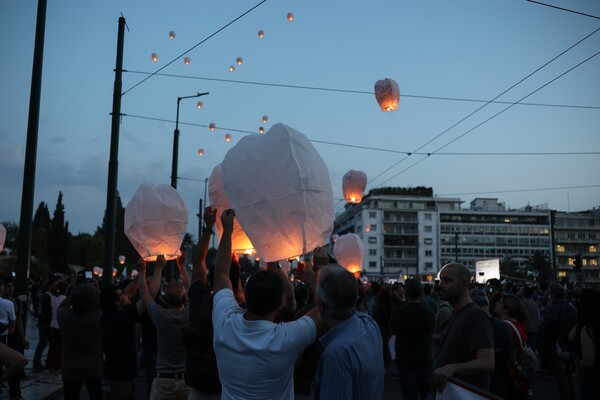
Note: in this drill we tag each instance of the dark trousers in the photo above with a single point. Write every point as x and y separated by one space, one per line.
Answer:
54 350
414 381
43 332
14 383
72 389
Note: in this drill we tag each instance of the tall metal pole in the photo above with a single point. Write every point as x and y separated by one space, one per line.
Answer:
113 164
553 245
25 221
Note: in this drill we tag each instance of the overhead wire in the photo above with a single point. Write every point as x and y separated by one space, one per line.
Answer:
564 9
521 190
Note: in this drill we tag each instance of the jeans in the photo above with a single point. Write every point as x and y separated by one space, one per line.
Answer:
118 390
169 389
72 389
44 332
415 381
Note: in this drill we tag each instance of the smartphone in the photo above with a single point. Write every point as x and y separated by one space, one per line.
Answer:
89 275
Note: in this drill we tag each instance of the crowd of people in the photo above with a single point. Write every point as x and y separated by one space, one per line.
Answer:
324 335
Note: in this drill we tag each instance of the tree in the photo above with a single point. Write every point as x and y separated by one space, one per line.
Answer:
540 262
509 268
41 218
58 241
122 244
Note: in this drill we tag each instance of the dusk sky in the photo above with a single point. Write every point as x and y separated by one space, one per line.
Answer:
315 74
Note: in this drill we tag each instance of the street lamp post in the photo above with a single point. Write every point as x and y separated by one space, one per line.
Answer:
176 140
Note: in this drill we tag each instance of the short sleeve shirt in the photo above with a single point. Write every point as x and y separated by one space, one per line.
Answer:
169 322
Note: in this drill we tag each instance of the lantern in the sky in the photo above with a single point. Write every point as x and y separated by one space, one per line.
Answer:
115 272
261 34
228 137
134 273
283 203
187 61
199 105
97 271
171 35
155 221
218 200
121 260
231 68
265 119
290 17
353 186
261 130
200 152
154 57
349 252
387 94
211 126
334 237
2 236
239 61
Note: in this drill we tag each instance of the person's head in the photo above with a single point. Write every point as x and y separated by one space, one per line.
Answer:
413 289
511 307
556 291
52 282
61 288
234 274
113 298
527 292
9 286
84 299
454 284
175 294
337 293
264 293
427 289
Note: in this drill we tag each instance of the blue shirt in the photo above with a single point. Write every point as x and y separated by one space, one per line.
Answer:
351 365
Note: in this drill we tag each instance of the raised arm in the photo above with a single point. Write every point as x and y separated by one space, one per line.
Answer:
288 288
141 304
143 284
199 272
223 260
185 280
156 276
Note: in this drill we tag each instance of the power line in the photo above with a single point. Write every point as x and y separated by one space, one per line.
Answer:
193 47
563 9
325 89
521 190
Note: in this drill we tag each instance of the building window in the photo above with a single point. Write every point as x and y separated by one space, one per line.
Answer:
373 227
428 265
372 239
428 228
372 214
428 217
593 249
428 253
593 262
562 274
372 252
428 241
560 248
372 264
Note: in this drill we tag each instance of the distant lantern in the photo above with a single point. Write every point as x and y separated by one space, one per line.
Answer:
353 186
134 273
239 61
121 260
231 68
97 270
2 236
334 237
261 34
265 119
261 130
154 57
171 35
349 252
200 152
290 17
387 94
187 61
211 126
199 105
115 272
228 137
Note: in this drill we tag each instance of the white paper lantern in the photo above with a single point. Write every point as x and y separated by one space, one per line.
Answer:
171 35
115 272
154 57
279 187
187 61
218 200
134 273
239 60
387 94
121 260
97 270
349 252
285 265
334 237
155 221
353 186
261 34
2 236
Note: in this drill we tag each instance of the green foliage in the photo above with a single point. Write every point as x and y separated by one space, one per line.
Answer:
86 250
540 262
39 243
510 268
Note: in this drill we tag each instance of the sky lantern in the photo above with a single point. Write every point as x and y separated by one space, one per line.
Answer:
134 273
121 260
187 61
334 237
239 61
387 94
349 252
171 35
231 68
2 236
261 34
283 203
353 185
265 119
154 57
228 137
290 16
97 270
261 130
200 152
200 105
218 200
155 221
211 126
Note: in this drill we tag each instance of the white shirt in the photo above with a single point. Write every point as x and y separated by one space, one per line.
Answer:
256 358
55 303
7 313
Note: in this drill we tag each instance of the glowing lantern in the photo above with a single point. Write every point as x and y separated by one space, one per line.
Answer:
353 186
261 130
290 17
349 252
155 221
227 137
97 271
231 68
134 273
239 61
200 152
114 272
2 236
211 126
154 57
283 203
199 105
218 200
171 35
334 237
187 61
121 260
261 34
387 94
285 265
265 119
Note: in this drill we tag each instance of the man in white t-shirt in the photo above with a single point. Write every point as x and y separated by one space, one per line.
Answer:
7 316
255 356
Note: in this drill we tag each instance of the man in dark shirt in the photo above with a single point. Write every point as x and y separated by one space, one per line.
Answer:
466 340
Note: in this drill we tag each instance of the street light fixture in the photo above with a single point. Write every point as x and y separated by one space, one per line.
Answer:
176 140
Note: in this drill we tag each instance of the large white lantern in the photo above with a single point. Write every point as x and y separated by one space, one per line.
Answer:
218 200
155 221
387 94
279 187
353 186
2 236
349 252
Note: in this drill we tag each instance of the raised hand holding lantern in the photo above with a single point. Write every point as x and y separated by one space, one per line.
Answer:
353 186
155 221
349 252
387 94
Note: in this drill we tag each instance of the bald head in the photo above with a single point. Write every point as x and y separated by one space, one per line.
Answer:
460 271
454 284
